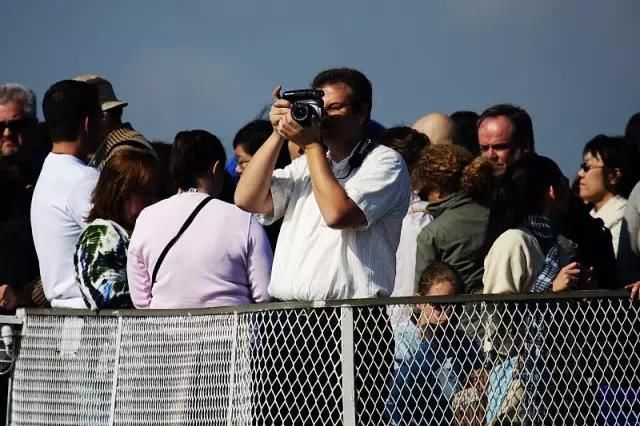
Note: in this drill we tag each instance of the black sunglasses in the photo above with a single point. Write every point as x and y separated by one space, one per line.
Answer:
586 167
16 126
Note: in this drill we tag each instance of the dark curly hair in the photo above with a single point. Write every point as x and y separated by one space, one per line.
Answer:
449 169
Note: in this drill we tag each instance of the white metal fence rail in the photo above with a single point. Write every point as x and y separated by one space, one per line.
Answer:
455 361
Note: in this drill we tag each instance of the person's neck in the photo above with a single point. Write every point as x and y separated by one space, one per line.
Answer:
604 200
73 148
342 149
203 188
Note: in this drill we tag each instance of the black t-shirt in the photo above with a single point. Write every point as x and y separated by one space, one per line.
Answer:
18 259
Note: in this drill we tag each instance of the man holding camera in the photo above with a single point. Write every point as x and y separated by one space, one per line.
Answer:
341 223
343 207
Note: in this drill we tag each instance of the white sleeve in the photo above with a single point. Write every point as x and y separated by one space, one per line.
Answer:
380 185
79 201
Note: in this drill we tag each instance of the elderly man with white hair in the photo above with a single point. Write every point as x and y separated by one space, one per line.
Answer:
17 116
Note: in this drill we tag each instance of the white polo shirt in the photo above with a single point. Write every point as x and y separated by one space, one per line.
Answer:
315 262
60 204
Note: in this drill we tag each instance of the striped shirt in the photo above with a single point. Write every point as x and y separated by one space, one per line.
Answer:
315 262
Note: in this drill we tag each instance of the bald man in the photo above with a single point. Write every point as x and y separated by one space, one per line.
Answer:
438 127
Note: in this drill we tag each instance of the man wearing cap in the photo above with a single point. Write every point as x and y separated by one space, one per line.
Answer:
116 135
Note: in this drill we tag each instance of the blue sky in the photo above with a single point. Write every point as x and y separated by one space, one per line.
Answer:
574 65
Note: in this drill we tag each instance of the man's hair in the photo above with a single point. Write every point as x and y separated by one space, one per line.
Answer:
521 124
435 273
14 92
253 135
361 90
615 153
65 106
466 132
192 154
407 142
632 130
128 171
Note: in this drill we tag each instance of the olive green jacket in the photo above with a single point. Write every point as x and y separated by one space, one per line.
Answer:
455 237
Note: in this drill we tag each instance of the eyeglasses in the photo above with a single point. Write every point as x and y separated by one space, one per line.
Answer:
15 126
586 167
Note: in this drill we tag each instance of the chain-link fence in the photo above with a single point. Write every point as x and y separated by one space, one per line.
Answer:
437 361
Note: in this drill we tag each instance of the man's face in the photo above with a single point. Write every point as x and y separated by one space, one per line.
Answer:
13 124
494 137
343 120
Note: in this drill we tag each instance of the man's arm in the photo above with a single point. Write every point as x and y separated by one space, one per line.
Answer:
253 191
338 210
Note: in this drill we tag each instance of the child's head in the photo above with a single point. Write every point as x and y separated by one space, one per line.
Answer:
438 279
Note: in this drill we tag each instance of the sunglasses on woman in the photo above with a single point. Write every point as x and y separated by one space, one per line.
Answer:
586 167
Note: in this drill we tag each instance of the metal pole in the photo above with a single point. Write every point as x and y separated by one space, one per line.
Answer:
348 367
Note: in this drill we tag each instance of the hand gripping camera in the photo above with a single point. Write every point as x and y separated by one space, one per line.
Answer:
307 103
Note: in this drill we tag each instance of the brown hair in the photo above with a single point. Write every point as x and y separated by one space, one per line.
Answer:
407 142
127 172
434 273
451 168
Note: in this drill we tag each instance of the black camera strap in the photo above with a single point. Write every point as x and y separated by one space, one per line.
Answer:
361 151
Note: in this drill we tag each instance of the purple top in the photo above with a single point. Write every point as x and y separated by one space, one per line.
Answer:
222 259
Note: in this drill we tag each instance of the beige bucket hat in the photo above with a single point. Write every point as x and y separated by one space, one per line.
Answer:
106 93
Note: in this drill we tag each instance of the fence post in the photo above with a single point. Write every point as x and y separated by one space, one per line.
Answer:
116 367
232 372
348 367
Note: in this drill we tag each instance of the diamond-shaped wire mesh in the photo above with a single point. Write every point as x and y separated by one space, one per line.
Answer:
482 363
296 367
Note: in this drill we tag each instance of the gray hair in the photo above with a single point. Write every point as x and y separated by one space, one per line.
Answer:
14 92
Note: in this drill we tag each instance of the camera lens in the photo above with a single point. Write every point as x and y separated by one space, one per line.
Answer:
300 112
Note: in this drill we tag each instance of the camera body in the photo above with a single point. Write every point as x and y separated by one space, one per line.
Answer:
307 103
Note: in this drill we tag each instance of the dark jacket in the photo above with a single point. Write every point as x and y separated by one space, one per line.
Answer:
587 241
455 237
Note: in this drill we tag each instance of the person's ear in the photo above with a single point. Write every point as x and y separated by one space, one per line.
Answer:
216 169
551 193
361 113
614 177
87 123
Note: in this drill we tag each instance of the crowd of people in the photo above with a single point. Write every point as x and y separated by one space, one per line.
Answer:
96 216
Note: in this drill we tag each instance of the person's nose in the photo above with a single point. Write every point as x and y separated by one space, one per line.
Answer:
492 153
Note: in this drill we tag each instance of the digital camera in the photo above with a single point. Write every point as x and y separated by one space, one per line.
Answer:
307 103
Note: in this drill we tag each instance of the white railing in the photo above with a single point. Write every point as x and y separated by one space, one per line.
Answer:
529 359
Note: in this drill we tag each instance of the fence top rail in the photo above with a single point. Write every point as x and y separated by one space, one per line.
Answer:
278 306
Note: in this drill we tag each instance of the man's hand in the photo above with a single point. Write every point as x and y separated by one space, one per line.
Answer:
279 109
568 277
634 290
8 298
291 130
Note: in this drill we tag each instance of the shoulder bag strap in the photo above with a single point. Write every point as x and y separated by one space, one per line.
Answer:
186 224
